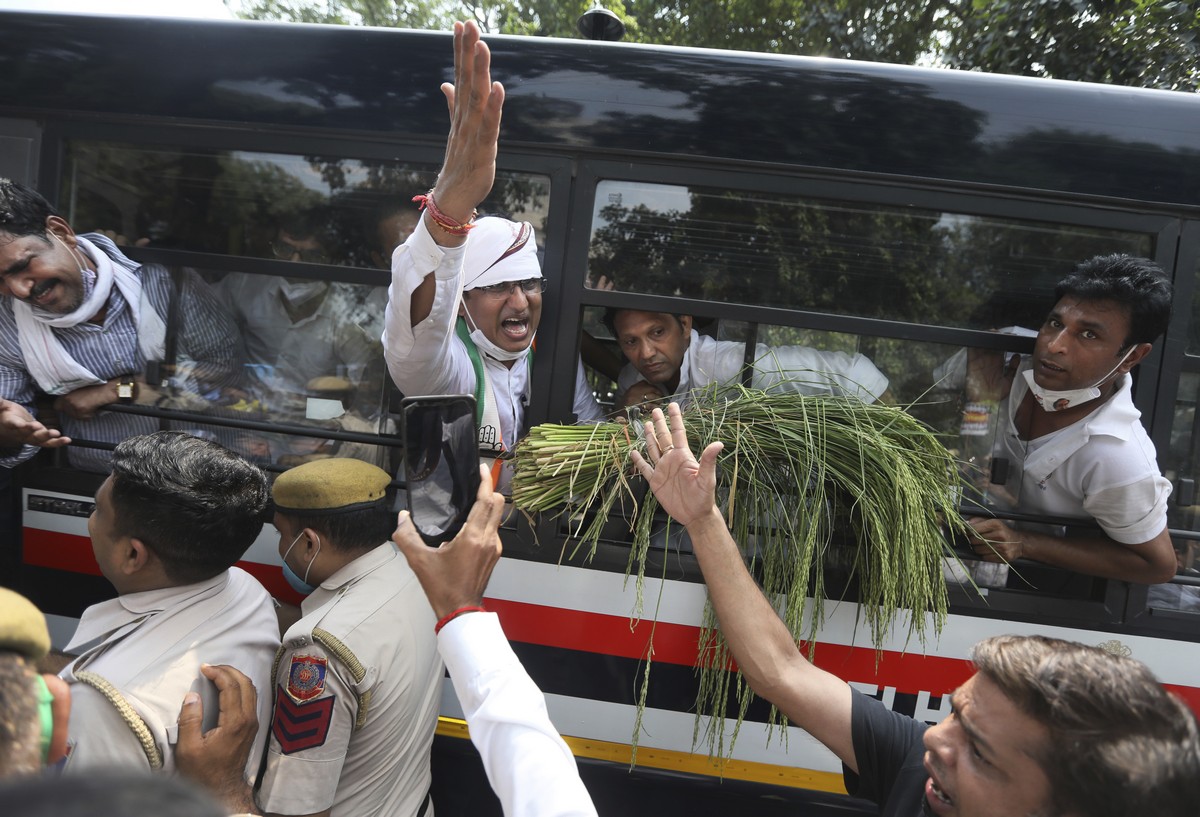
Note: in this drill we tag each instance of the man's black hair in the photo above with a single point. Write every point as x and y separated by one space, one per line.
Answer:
23 211
1137 284
362 529
609 318
197 505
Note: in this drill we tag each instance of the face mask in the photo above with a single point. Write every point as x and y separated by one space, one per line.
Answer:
489 348
298 584
1051 400
301 291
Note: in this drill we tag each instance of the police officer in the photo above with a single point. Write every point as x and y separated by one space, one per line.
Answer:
358 677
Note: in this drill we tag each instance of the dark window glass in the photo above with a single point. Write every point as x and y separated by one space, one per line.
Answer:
848 258
281 351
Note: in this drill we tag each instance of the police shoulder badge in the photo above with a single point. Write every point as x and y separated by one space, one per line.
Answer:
306 677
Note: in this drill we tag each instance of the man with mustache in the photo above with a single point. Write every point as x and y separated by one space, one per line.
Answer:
664 350
1071 438
466 293
80 321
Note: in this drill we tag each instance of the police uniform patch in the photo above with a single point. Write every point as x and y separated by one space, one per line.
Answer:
306 677
300 726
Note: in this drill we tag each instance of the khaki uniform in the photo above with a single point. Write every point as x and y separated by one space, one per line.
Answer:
140 653
355 697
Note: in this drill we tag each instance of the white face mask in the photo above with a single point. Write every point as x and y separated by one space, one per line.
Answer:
489 348
301 290
1051 400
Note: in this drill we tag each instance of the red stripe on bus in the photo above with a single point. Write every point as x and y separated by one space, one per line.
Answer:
1190 695
677 644
594 632
73 553
271 577
59 551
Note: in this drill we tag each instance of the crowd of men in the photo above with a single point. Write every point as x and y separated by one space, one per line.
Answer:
190 669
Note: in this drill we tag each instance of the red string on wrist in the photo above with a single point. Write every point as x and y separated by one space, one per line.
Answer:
442 220
446 619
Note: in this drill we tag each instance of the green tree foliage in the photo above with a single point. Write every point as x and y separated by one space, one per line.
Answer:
421 14
1125 42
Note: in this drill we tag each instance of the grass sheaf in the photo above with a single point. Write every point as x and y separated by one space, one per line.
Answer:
798 476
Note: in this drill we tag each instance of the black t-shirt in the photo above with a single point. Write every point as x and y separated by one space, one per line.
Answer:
890 755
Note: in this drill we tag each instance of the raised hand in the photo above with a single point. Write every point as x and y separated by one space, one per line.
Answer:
475 103
684 486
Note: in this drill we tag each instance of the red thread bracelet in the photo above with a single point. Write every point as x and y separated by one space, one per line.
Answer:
446 619
442 220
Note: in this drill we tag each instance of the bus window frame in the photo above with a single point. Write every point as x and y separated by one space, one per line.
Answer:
1109 600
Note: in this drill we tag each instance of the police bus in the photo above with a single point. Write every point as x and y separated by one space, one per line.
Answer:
902 213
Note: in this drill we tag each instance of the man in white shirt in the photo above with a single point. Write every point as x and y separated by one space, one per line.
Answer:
466 294
664 350
1070 437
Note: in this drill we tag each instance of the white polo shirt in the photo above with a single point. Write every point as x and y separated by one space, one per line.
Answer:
1102 467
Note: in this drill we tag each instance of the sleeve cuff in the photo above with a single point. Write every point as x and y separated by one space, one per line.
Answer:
446 262
474 643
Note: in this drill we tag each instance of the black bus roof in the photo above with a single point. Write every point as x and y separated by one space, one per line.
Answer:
605 98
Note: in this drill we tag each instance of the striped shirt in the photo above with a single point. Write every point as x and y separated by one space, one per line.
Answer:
207 341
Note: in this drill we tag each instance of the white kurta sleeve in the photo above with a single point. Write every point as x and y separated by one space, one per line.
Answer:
529 766
426 358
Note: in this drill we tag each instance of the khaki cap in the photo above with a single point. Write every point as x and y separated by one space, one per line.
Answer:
335 485
22 626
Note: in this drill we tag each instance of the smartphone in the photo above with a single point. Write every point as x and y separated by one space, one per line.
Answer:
441 463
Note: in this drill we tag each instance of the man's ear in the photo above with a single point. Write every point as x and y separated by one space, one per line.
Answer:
310 544
685 321
59 226
1138 354
136 557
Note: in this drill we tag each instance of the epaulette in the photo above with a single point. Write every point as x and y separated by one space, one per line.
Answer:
132 719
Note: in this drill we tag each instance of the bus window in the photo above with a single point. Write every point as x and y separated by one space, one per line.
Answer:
847 258
309 356
236 202
1179 459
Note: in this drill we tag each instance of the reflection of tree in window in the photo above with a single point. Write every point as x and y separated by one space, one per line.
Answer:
838 257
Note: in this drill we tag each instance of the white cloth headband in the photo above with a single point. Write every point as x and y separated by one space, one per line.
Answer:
499 250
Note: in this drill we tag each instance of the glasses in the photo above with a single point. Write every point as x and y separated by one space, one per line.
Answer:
286 252
501 291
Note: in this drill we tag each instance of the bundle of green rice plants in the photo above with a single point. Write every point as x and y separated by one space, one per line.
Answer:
799 476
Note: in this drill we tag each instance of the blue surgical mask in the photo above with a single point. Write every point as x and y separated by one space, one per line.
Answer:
298 584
